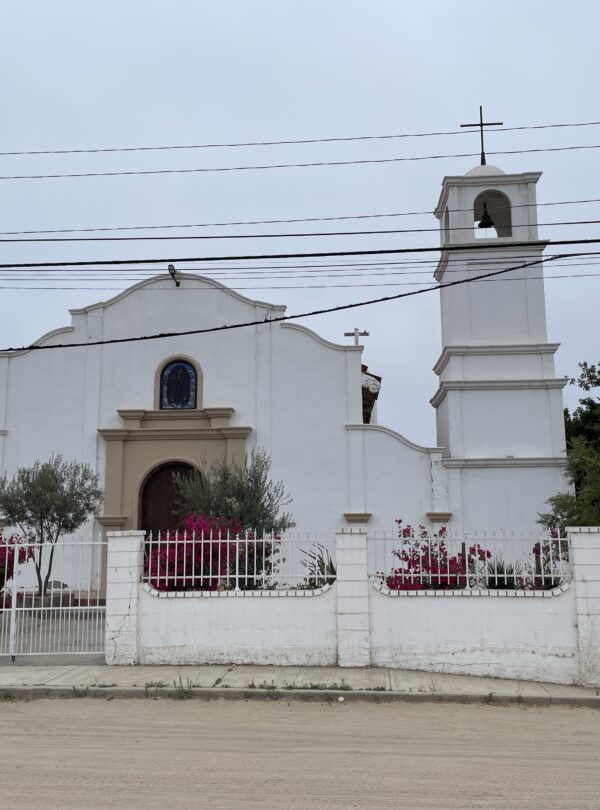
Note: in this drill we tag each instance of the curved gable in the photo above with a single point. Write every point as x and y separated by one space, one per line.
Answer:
203 281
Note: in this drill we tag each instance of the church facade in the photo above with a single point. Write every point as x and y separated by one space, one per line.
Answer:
139 411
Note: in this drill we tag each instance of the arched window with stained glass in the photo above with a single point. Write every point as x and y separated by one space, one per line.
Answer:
178 386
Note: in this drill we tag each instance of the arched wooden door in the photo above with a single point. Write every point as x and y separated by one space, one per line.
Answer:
158 498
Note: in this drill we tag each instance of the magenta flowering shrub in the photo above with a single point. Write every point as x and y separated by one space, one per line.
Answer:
11 550
549 560
426 564
206 556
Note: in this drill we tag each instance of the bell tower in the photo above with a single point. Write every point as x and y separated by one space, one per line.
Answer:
499 403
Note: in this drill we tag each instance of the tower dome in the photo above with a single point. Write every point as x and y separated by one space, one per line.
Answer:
481 171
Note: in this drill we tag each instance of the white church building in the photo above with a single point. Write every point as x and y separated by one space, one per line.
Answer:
138 411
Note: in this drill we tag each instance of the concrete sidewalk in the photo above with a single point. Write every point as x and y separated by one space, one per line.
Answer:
29 680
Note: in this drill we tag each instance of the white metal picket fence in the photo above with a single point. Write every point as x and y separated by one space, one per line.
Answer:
415 558
223 561
51 598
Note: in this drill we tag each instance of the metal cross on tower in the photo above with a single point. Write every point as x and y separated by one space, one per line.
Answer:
481 124
356 333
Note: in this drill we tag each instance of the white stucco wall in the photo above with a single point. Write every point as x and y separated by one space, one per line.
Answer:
525 637
531 635
393 478
506 497
220 628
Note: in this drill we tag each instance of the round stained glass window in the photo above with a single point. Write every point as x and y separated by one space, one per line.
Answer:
178 385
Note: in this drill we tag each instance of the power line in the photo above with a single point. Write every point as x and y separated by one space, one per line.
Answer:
280 221
303 234
423 266
226 271
279 318
292 272
308 286
483 246
364 161
286 142
229 279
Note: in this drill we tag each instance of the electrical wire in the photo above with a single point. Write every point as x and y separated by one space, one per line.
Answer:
225 271
280 318
481 246
319 163
288 142
301 234
233 279
281 221
357 270
309 286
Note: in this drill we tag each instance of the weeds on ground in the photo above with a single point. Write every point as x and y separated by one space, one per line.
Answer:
156 685
271 688
183 692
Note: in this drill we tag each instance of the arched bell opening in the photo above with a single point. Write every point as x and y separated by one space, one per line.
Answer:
492 215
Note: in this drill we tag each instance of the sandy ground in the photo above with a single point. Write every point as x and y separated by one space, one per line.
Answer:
169 754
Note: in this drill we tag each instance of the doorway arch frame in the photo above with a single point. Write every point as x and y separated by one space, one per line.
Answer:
151 439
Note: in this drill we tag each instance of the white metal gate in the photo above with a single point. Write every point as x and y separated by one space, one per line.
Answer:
52 602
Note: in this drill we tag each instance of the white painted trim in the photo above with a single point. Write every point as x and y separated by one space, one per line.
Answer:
330 345
493 349
523 461
398 436
234 594
210 282
473 592
494 385
582 529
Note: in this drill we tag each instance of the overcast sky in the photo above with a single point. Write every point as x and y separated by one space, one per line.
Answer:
116 74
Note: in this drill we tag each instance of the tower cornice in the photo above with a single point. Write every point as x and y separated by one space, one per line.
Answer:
494 385
537 245
493 349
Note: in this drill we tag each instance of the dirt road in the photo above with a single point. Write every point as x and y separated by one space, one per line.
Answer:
169 754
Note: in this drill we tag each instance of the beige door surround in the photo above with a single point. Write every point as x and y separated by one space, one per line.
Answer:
149 439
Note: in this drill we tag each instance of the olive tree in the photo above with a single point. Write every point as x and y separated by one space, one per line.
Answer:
243 493
46 501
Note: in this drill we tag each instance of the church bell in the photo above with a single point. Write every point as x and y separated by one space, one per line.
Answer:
486 220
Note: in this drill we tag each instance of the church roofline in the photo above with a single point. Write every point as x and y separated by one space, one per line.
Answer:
39 341
382 429
180 277
330 345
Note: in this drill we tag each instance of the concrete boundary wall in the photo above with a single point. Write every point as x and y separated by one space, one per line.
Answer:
551 636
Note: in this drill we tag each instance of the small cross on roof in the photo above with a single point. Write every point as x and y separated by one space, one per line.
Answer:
481 124
356 334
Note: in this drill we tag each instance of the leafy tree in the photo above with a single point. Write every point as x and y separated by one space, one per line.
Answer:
46 501
582 428
583 507
242 493
584 422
